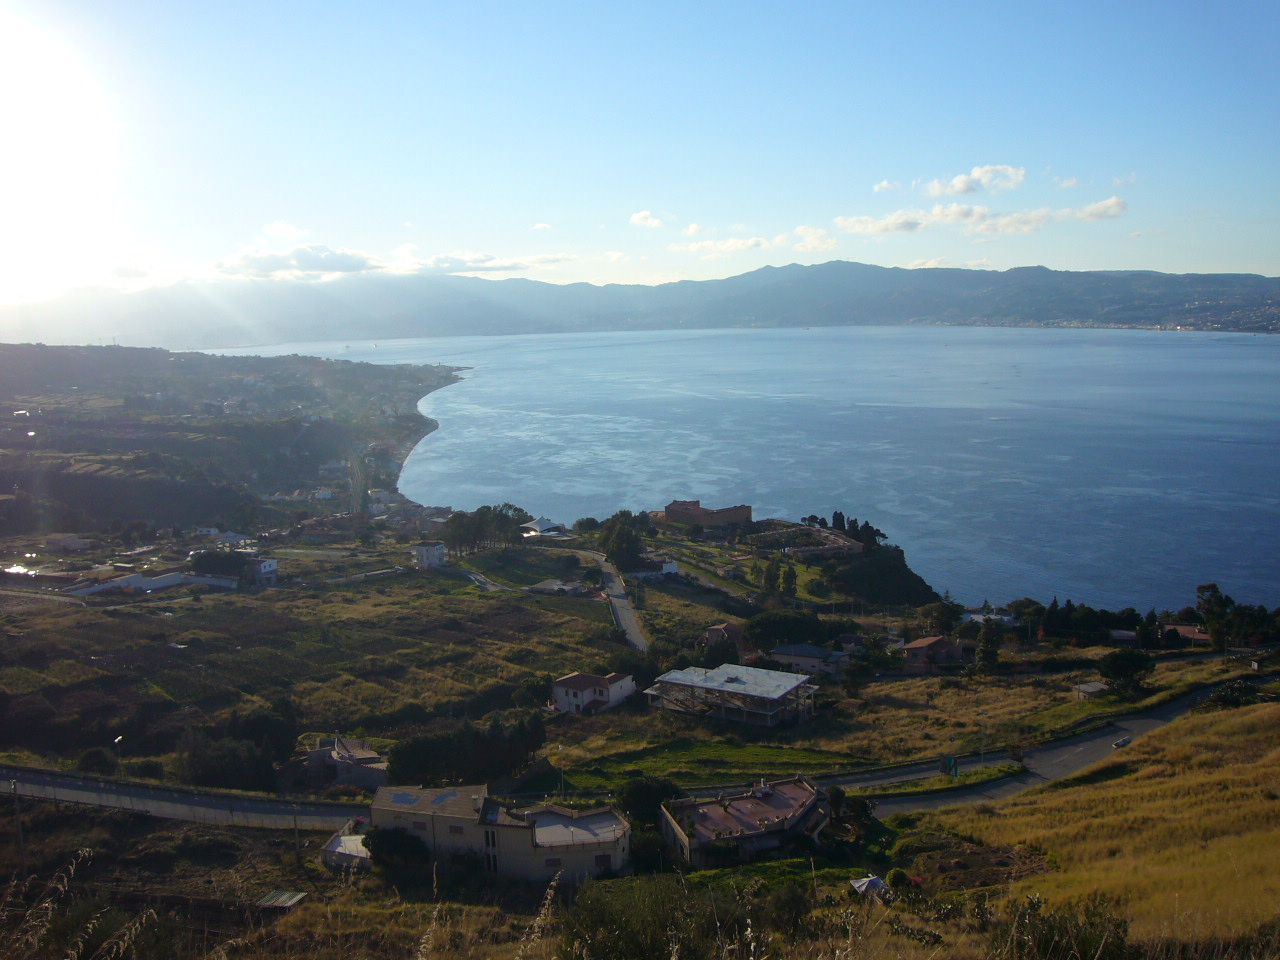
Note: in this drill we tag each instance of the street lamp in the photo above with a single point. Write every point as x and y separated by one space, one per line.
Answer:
982 728
119 754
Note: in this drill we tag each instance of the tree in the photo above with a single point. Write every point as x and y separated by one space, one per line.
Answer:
942 616
789 580
837 521
620 541
771 573
1214 608
399 853
641 798
219 563
1126 670
694 531
857 675
766 630
989 638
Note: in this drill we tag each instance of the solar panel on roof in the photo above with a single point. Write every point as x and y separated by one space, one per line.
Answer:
408 799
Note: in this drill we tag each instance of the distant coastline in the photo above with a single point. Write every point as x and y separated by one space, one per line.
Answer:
837 293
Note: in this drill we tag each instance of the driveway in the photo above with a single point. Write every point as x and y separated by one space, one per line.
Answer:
624 615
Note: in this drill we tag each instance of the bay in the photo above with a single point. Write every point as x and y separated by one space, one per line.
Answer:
1111 467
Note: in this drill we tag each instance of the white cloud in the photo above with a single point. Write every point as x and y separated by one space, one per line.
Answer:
541 226
716 248
1125 181
927 264
958 213
693 229
1103 210
308 262
645 218
900 221
1067 182
979 219
466 261
814 239
992 177
1023 221
982 264
885 185
617 256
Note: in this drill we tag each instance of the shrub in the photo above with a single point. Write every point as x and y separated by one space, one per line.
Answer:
648 918
1088 931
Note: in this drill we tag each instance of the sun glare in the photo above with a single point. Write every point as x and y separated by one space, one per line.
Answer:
59 205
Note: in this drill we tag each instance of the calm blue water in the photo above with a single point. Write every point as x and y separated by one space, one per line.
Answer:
1116 468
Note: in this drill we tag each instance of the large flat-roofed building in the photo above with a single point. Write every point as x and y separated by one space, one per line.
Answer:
692 511
733 692
745 825
464 825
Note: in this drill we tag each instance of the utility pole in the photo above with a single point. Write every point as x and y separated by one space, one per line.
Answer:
17 818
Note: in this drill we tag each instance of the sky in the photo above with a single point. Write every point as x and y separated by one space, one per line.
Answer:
151 142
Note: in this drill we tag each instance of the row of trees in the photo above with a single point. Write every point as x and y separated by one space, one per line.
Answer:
464 752
486 526
865 533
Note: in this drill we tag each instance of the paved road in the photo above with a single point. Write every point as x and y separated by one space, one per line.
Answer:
198 807
1053 761
624 615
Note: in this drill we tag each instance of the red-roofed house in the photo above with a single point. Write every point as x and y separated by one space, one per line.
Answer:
742 826
928 653
588 693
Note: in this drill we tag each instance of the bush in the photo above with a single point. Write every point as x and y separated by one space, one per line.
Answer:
1088 931
649 918
98 760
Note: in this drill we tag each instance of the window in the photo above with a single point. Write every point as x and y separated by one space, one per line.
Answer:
455 829
491 862
552 862
491 838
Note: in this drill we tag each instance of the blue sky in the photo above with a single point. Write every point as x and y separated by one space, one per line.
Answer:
631 143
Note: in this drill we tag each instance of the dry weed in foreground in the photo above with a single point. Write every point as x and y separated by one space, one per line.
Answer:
29 936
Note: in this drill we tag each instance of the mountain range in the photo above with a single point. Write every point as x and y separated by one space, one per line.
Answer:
210 314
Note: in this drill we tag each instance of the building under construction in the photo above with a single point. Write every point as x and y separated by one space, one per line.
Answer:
732 692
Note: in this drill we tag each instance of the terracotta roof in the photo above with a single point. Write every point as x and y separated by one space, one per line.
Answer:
925 642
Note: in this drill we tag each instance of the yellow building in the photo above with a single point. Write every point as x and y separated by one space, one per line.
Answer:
461 825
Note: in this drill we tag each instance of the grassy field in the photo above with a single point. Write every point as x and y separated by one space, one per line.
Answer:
1182 827
373 654
892 720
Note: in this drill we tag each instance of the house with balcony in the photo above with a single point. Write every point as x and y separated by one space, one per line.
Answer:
464 827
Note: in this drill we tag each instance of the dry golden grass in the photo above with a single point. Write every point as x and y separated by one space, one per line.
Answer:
1183 826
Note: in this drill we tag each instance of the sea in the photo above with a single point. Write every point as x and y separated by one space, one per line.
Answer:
1116 468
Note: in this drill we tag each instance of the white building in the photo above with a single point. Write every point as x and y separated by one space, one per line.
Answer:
812 659
588 693
464 825
541 527
428 553
733 692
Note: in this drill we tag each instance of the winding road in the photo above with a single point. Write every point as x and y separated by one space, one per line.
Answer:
197 806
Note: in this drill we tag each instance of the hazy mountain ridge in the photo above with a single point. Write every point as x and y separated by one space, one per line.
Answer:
374 306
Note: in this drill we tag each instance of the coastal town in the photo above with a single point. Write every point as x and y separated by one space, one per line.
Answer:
466 706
